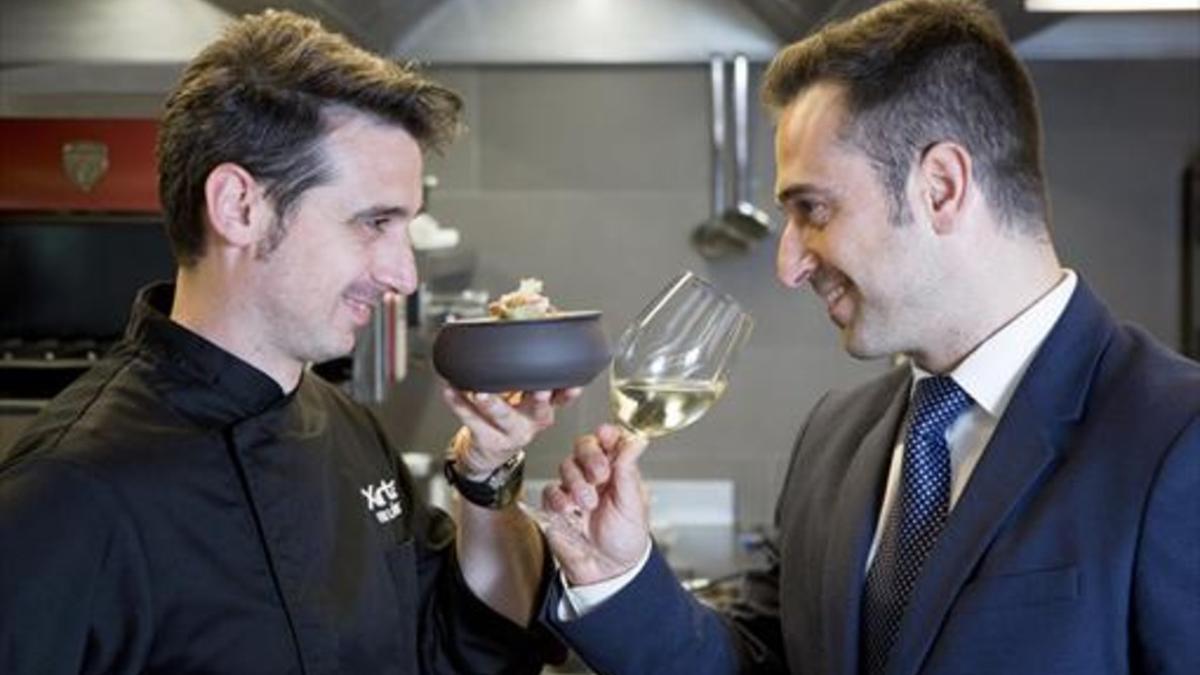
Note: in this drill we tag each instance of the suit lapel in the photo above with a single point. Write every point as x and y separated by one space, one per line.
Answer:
1024 446
853 521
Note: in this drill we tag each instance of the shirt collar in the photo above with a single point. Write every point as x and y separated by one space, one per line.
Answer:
990 374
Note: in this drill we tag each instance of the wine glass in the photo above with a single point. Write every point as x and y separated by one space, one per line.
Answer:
672 363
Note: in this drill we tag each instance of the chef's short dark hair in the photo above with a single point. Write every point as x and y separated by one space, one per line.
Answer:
916 72
259 97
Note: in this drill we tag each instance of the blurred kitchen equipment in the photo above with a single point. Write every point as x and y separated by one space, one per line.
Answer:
747 218
438 308
55 318
730 229
380 356
711 238
429 483
446 267
425 233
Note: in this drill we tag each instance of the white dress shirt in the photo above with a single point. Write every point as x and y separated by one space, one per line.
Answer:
990 375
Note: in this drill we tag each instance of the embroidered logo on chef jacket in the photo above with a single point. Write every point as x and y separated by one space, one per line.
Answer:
383 500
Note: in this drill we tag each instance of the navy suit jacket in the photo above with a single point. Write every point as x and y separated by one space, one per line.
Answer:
1075 547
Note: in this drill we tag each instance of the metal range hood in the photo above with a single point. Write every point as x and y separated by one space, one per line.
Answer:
516 32
586 32
92 35
630 32
41 32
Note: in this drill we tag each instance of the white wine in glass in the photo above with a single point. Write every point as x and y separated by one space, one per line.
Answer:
654 408
669 366
672 363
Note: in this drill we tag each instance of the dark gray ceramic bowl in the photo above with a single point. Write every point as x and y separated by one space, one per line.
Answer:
566 350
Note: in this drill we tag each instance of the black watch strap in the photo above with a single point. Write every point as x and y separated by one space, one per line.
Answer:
500 489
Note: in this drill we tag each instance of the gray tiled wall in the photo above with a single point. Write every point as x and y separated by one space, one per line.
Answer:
1118 136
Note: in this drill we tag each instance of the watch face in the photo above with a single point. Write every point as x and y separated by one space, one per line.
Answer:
501 476
506 471
496 478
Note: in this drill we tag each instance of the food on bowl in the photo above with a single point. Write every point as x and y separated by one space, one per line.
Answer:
527 302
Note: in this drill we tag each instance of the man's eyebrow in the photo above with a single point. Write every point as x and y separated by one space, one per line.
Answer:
800 190
380 211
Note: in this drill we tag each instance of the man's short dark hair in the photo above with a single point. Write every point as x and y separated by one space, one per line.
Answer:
917 72
259 97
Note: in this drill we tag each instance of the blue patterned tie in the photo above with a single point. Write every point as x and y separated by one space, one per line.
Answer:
915 520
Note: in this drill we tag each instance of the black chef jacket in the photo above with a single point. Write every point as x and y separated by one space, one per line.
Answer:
173 511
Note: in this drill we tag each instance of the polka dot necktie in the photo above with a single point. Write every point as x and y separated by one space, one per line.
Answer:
915 520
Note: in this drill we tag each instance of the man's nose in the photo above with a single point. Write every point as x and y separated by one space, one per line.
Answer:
394 265
795 262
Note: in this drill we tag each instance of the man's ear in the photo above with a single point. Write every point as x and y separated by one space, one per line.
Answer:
234 200
945 174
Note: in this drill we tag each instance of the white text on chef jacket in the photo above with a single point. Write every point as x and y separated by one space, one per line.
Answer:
383 500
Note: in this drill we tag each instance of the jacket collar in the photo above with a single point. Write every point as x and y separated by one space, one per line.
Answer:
200 379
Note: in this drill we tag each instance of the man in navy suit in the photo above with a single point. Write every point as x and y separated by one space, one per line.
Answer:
1021 496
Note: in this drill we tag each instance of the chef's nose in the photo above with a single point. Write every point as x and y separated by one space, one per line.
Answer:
394 265
795 261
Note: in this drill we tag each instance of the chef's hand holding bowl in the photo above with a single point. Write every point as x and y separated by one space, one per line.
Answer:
506 377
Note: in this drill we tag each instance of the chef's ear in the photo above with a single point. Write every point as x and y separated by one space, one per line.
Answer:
235 205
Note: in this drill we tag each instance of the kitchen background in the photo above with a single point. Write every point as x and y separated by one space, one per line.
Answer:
587 165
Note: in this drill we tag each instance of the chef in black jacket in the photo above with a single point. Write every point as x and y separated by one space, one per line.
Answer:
201 503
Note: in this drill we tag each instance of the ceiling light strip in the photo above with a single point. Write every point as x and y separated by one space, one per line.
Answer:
1112 5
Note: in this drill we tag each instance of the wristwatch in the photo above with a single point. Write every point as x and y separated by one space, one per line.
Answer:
500 489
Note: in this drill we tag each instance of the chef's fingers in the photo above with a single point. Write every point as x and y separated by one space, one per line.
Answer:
512 429
467 410
564 397
520 424
538 408
488 446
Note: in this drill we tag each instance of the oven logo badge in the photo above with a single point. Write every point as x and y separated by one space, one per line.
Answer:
85 163
383 500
